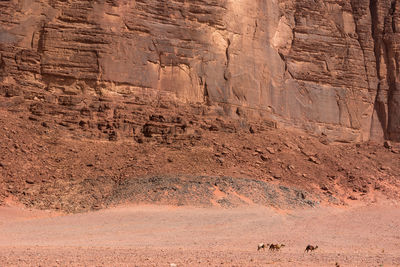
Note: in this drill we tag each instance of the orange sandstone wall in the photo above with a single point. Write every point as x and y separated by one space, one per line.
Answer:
330 66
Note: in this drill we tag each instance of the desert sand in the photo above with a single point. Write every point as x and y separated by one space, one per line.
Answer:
149 235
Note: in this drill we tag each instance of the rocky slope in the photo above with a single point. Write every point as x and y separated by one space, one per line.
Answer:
327 66
140 150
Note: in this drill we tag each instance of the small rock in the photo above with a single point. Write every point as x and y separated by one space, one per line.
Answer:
277 176
251 130
332 177
387 144
270 150
32 118
324 187
324 141
113 136
213 128
264 158
308 153
284 188
314 160
352 197
29 181
384 168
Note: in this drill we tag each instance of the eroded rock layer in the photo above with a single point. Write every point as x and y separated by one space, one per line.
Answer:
330 66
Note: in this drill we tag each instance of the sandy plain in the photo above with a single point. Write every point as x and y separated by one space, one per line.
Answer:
148 235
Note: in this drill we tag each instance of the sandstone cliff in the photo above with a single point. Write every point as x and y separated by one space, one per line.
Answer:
330 66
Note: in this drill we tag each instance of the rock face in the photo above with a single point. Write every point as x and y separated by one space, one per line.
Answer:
330 66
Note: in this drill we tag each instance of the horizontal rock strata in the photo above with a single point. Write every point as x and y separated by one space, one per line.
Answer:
327 66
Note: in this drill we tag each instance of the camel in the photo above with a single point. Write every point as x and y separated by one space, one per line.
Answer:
310 248
276 247
262 246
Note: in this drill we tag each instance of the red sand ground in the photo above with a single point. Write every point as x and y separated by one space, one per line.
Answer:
187 236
